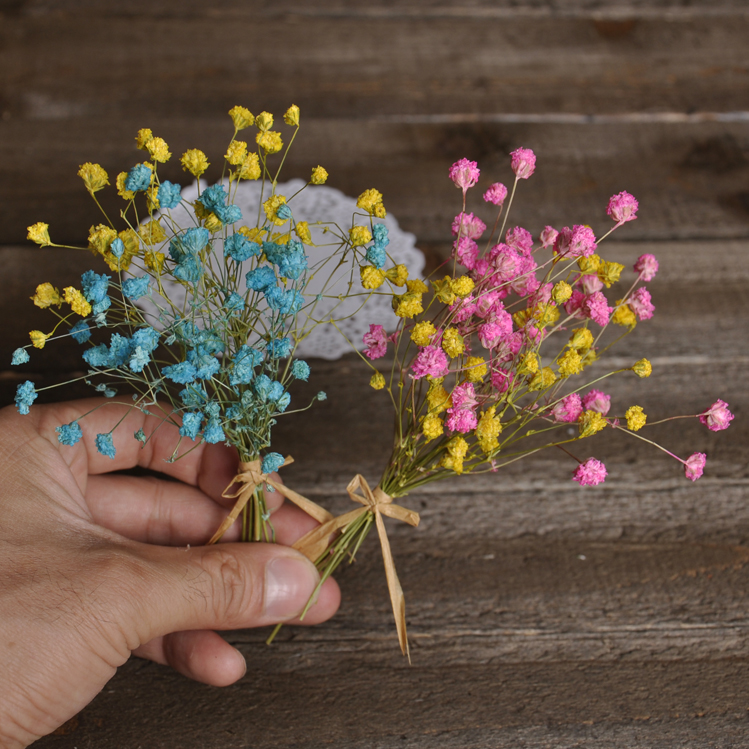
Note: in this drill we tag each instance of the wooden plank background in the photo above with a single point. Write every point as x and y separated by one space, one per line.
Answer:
541 614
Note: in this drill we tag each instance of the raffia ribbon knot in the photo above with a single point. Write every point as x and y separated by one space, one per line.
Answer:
251 476
315 543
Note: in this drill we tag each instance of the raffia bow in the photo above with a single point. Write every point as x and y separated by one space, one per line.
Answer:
315 543
251 476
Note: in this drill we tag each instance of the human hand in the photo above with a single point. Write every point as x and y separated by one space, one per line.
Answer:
95 566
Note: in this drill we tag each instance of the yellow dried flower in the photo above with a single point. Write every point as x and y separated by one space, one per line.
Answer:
438 398
39 233
452 343
581 339
488 429
463 286
408 305
77 301
236 153
609 272
416 285
292 115
38 339
457 448
422 333
122 191
152 198
271 207
443 290
371 277
280 237
254 235
529 364
432 427
377 381
397 275
636 418
248 169
319 176
589 265
543 379
93 176
264 121
476 369
590 422
151 233
155 262
624 316
158 150
141 139
561 292
642 368
241 117
569 363
369 201
359 236
46 295
269 141
302 231
194 161
100 237
212 222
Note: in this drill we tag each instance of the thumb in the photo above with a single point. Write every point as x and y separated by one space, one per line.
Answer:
226 586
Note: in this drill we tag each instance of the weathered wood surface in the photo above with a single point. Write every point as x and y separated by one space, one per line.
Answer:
541 614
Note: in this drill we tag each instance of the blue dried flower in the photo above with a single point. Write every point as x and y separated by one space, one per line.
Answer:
182 373
279 348
322 396
272 462
117 248
283 402
191 424
25 395
213 432
234 304
138 178
105 445
300 370
239 248
20 356
376 256
69 434
146 337
97 356
94 286
189 270
135 288
205 365
169 195
120 349
380 233
195 240
81 331
194 396
244 362
283 212
261 279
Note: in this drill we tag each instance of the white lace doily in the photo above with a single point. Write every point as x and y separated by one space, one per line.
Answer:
324 204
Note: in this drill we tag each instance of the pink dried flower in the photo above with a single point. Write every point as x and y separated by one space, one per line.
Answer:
377 341
506 262
590 473
595 400
575 303
523 162
717 417
579 241
568 409
542 295
491 333
466 252
489 305
526 282
548 236
430 360
462 414
596 308
468 225
508 347
590 283
641 304
502 379
647 267
694 465
623 207
519 238
464 174
463 309
496 194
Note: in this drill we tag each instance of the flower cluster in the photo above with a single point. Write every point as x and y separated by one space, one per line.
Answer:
218 365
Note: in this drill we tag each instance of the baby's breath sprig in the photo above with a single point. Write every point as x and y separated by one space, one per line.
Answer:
492 366
217 361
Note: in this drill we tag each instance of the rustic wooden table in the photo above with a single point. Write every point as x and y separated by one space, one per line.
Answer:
541 614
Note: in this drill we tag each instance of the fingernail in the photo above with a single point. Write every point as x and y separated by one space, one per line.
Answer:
289 583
